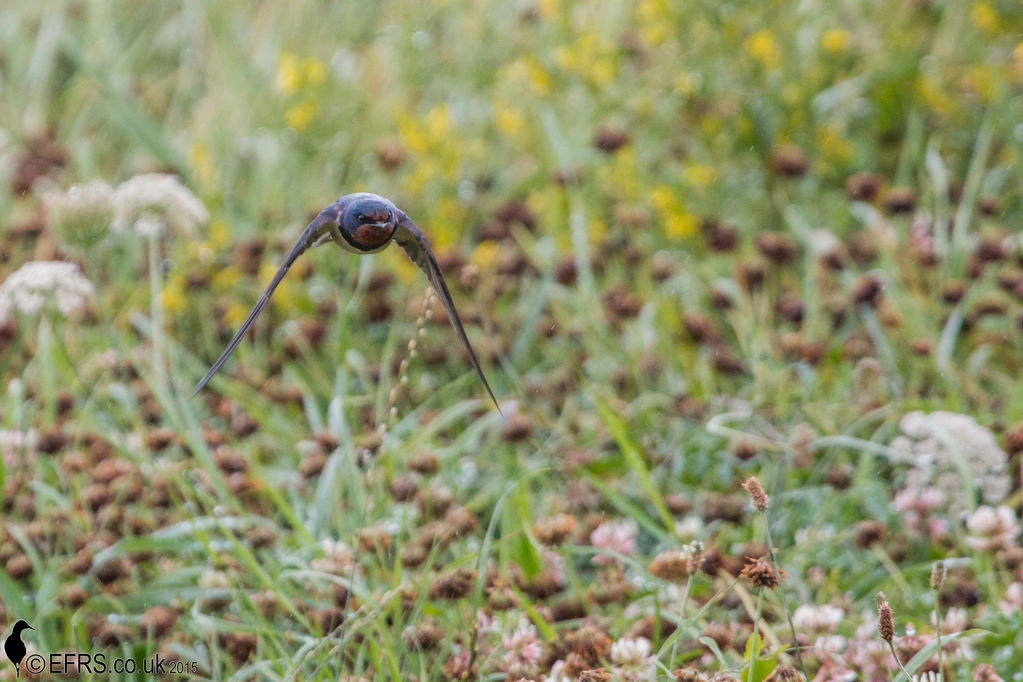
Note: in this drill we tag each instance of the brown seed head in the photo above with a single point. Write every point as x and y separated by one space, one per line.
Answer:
158 621
869 532
554 530
453 585
885 620
673 566
761 574
789 161
862 186
777 247
937 575
900 200
590 643
610 139
756 493
985 672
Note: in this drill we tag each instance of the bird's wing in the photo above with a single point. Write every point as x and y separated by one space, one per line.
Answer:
415 245
313 235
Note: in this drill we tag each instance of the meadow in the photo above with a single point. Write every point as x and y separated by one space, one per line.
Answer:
746 279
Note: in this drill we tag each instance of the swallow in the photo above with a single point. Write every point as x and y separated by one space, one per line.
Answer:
361 223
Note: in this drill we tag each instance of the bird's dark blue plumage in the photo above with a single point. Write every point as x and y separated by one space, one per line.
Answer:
361 223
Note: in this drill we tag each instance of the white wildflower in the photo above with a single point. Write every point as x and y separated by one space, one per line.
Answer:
15 444
147 203
992 529
83 213
557 674
28 289
632 658
817 618
940 446
214 580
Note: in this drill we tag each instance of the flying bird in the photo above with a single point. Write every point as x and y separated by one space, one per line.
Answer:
361 223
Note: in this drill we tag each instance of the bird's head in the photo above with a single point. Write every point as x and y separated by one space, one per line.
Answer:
368 223
21 625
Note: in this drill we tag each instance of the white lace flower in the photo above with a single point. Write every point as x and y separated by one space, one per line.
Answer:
147 203
941 446
29 288
83 213
822 618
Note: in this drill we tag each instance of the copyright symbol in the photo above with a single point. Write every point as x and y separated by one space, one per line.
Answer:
35 663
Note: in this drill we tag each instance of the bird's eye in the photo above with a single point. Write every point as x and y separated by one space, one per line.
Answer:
361 217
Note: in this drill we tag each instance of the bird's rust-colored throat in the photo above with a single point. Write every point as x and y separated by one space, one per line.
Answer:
373 235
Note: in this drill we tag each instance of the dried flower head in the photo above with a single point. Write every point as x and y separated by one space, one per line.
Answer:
28 289
756 493
761 573
150 202
885 619
554 530
673 566
985 672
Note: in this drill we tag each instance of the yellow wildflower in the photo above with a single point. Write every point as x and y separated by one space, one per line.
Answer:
314 71
681 225
686 83
834 148
509 121
548 8
172 298
220 234
699 175
933 95
835 40
764 48
289 73
286 296
537 77
438 122
484 255
235 313
981 81
225 278
201 164
447 220
678 224
301 115
985 16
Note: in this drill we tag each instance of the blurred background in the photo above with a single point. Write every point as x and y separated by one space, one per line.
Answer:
691 241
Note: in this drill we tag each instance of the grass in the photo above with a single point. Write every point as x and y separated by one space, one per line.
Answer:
693 243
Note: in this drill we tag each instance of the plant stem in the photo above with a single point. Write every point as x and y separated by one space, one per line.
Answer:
784 606
755 649
937 629
891 647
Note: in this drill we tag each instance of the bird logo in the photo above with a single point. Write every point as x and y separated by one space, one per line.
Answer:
15 648
361 223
